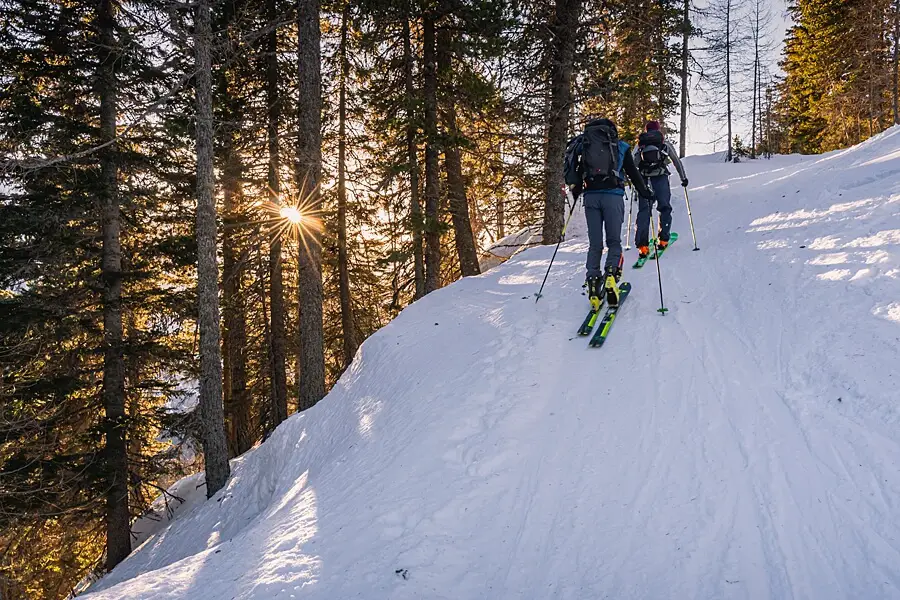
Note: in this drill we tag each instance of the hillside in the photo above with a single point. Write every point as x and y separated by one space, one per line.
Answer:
746 445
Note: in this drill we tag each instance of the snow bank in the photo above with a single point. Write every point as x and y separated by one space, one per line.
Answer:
746 445
510 245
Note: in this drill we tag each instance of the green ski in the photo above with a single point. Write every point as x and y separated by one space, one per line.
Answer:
590 320
654 252
603 330
640 262
673 237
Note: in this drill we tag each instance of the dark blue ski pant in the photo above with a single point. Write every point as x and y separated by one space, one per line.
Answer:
663 193
603 212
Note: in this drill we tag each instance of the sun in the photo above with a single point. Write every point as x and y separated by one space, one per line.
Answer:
292 214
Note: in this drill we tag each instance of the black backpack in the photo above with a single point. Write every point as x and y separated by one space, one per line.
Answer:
651 149
593 156
572 167
600 156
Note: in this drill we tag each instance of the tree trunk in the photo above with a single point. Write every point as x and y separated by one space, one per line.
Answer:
755 80
236 395
661 74
212 412
685 75
278 336
565 31
728 155
432 157
501 218
768 145
871 70
347 322
311 370
263 274
456 185
896 71
118 516
412 156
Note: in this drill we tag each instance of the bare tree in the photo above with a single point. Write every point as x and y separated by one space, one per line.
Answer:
761 26
212 412
726 45
311 372
118 517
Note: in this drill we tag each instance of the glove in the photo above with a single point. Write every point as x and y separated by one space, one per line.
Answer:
684 182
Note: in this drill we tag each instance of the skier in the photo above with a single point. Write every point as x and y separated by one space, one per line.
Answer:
593 166
652 155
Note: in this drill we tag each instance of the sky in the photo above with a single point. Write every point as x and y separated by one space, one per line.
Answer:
703 132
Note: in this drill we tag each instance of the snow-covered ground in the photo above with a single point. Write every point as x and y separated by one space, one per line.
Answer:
747 445
508 246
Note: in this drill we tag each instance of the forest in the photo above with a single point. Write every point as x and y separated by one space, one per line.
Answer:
207 206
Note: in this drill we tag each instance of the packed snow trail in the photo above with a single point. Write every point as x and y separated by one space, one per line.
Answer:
746 445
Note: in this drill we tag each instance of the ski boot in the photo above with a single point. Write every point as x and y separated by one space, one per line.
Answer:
661 243
595 288
643 251
613 274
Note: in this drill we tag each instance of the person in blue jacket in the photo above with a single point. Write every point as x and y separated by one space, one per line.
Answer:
604 209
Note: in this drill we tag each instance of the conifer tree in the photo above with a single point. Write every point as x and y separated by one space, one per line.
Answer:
215 449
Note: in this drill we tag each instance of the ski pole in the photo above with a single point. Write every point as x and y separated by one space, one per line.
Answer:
690 218
630 211
566 226
662 306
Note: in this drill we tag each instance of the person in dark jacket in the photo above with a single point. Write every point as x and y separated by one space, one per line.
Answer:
604 209
653 166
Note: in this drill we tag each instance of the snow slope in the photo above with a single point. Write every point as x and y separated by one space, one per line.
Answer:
747 445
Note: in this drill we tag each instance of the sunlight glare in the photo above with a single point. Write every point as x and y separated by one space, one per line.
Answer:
291 214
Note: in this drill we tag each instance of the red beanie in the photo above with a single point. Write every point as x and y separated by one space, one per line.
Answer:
652 126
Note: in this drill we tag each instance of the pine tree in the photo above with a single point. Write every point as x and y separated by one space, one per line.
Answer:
644 60
89 338
564 28
456 185
276 337
118 517
348 327
432 156
311 372
412 156
836 65
230 116
215 449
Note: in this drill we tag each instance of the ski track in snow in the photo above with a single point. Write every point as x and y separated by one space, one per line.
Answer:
746 445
